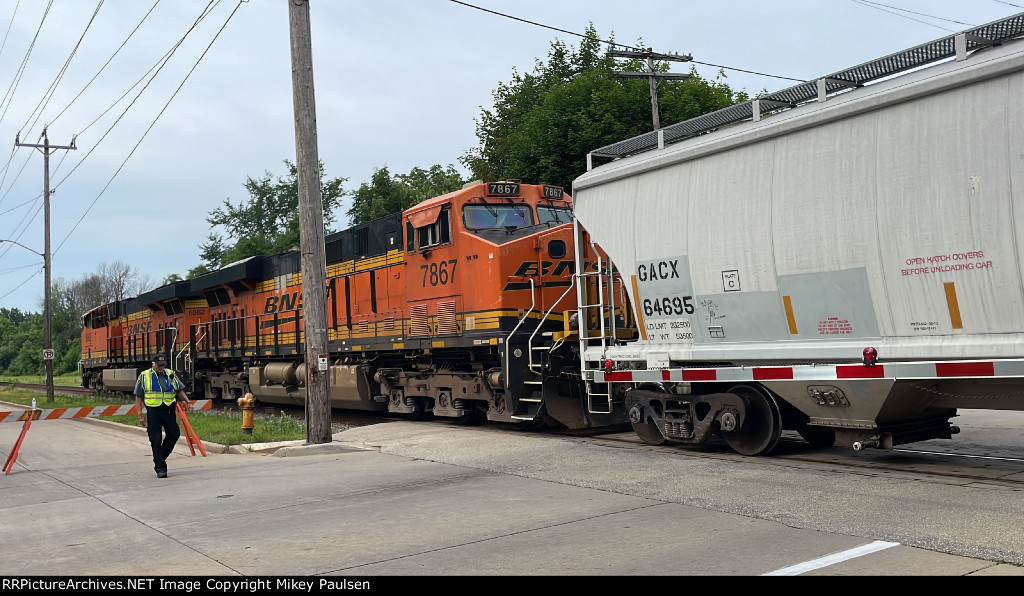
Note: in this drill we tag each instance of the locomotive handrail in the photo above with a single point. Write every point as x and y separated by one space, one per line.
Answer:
529 343
188 356
508 340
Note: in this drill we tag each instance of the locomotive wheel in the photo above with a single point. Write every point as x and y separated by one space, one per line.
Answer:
648 432
819 437
421 412
762 424
474 415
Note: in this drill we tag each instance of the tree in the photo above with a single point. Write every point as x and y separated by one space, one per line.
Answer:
267 222
119 280
385 194
21 334
544 123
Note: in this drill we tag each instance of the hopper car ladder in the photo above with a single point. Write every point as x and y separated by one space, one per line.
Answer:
597 285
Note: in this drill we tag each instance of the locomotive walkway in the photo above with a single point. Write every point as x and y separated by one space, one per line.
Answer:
404 498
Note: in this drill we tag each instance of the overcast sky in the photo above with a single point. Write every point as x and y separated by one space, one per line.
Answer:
398 83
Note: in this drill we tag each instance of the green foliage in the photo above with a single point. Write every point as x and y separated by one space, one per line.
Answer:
544 123
223 427
385 194
266 223
64 380
13 315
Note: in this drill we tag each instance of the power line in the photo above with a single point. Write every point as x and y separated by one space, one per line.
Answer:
877 6
48 95
106 64
14 289
6 35
917 13
612 43
132 152
158 67
24 62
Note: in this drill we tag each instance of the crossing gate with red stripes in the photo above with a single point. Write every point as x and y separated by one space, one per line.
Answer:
27 416
84 412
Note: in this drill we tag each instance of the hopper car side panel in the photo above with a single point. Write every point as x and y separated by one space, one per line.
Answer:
879 226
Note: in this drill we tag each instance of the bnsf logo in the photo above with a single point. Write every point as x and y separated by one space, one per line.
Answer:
139 327
533 268
283 302
544 268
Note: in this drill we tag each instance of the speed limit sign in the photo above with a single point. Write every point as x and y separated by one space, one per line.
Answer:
48 354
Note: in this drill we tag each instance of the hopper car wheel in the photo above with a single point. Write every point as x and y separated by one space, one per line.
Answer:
817 436
648 432
762 424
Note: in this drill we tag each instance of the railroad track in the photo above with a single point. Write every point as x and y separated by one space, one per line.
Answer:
908 462
57 389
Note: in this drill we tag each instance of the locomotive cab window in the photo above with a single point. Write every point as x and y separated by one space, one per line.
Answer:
485 216
554 215
436 233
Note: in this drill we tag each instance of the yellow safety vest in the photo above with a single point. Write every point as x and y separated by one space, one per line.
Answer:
155 393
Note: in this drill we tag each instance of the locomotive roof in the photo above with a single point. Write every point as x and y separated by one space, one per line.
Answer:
946 48
178 289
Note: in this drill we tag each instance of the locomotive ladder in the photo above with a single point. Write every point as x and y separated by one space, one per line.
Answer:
533 400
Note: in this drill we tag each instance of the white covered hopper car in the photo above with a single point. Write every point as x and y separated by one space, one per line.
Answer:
844 258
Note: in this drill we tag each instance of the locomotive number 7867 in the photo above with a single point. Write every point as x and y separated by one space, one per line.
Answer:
439 273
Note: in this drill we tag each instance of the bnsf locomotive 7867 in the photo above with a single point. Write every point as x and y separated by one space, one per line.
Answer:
461 307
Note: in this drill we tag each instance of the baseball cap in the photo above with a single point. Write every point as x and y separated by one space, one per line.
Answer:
160 359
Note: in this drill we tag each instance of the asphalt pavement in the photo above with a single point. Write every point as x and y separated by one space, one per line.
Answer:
412 499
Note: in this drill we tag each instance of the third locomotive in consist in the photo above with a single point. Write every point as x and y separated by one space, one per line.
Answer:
843 258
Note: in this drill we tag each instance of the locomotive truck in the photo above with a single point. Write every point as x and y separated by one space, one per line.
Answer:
843 258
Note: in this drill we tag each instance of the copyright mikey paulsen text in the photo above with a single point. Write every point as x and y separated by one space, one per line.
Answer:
230 586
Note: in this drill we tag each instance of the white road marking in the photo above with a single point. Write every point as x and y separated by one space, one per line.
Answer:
846 555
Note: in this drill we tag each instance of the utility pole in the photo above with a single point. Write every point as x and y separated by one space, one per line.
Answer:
311 228
48 354
652 75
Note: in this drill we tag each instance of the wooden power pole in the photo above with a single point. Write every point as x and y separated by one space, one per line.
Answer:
311 228
652 76
48 354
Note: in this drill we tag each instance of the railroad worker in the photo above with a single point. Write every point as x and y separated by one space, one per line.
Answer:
160 388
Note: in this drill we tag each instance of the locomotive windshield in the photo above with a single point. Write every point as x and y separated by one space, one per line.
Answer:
478 217
555 215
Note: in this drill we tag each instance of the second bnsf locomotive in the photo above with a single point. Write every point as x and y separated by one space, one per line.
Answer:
460 307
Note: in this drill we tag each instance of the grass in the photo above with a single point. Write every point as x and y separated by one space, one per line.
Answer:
224 427
68 380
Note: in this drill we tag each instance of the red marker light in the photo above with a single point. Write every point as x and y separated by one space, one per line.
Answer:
870 356
608 365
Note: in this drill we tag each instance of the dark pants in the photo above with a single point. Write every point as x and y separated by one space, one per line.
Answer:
162 420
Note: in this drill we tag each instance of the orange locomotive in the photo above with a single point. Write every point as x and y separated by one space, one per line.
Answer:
461 307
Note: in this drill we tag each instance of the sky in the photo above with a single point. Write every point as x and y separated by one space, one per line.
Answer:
170 113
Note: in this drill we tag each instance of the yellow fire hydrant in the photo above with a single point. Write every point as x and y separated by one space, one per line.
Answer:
248 405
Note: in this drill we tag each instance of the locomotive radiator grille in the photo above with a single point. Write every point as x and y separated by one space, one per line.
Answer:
419 322
447 318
